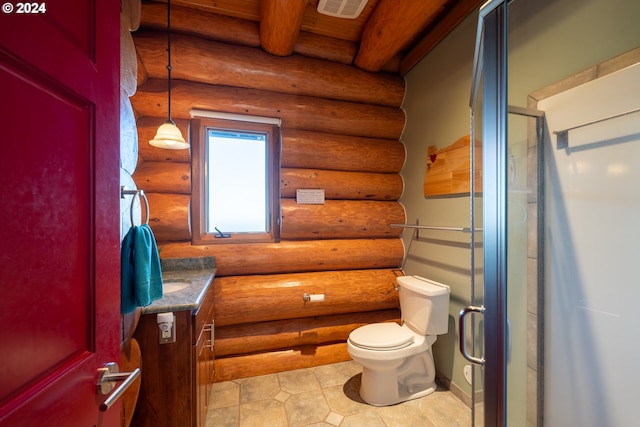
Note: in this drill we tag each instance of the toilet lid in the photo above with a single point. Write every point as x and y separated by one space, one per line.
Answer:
381 336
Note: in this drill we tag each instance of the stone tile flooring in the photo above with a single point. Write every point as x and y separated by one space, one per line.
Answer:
324 396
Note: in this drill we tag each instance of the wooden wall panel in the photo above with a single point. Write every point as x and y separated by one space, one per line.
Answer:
340 132
298 112
335 219
300 149
167 214
340 219
293 256
263 298
342 185
319 150
164 177
268 336
217 63
262 363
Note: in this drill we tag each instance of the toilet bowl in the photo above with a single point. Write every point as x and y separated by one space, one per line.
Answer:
397 361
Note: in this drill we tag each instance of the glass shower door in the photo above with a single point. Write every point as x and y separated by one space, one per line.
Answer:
477 286
502 374
488 123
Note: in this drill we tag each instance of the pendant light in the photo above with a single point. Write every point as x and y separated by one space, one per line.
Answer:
168 135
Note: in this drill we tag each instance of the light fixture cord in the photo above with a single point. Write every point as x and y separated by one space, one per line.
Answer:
169 59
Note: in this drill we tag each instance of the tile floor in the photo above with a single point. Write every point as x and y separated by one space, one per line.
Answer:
324 396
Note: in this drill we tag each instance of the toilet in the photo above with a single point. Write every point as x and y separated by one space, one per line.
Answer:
397 362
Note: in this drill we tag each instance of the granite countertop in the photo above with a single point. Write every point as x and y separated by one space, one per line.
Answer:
192 275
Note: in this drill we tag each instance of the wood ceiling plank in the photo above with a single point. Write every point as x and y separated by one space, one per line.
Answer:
391 27
387 28
340 28
242 32
244 9
208 25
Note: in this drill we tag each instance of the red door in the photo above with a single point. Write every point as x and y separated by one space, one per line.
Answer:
59 213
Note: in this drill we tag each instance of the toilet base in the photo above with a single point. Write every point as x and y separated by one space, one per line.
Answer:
381 397
414 379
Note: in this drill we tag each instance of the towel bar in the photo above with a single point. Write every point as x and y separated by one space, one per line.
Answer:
563 135
431 227
124 192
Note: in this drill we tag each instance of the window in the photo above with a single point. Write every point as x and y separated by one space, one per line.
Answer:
235 194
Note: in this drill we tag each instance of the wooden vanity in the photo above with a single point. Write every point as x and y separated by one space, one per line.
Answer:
177 376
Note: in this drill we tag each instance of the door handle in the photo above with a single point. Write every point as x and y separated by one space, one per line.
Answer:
209 328
463 334
107 376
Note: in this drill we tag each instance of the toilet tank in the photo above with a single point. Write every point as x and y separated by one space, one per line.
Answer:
424 304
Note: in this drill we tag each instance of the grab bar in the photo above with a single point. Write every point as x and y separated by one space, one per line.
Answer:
124 192
563 135
432 227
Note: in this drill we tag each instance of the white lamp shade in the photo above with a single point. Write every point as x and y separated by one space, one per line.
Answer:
169 137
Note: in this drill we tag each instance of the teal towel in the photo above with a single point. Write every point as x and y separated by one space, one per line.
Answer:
141 274
127 281
146 266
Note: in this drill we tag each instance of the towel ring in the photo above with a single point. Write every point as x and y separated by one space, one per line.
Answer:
140 193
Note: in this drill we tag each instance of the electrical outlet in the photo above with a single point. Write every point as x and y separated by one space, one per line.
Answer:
468 373
167 332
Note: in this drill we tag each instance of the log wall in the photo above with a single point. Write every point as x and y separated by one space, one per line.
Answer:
130 354
340 132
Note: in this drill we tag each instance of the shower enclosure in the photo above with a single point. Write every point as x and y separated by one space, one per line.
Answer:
510 303
517 306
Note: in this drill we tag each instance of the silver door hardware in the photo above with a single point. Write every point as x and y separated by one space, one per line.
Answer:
463 335
108 375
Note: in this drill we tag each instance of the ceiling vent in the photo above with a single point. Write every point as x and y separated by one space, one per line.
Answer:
349 9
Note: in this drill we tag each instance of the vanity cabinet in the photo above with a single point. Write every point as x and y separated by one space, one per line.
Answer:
203 358
177 376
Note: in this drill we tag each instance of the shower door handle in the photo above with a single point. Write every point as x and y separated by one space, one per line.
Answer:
462 338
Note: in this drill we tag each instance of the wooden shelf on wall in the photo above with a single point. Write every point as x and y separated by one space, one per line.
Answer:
448 169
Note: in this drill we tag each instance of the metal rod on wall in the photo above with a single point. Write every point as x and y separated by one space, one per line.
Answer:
431 227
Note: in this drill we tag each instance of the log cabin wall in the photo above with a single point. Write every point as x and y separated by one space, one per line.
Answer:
130 354
129 21
340 132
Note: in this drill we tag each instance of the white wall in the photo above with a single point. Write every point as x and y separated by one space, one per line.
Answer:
437 112
592 246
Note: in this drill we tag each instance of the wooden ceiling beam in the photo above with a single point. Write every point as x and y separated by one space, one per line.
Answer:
211 62
280 22
199 23
241 32
392 25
